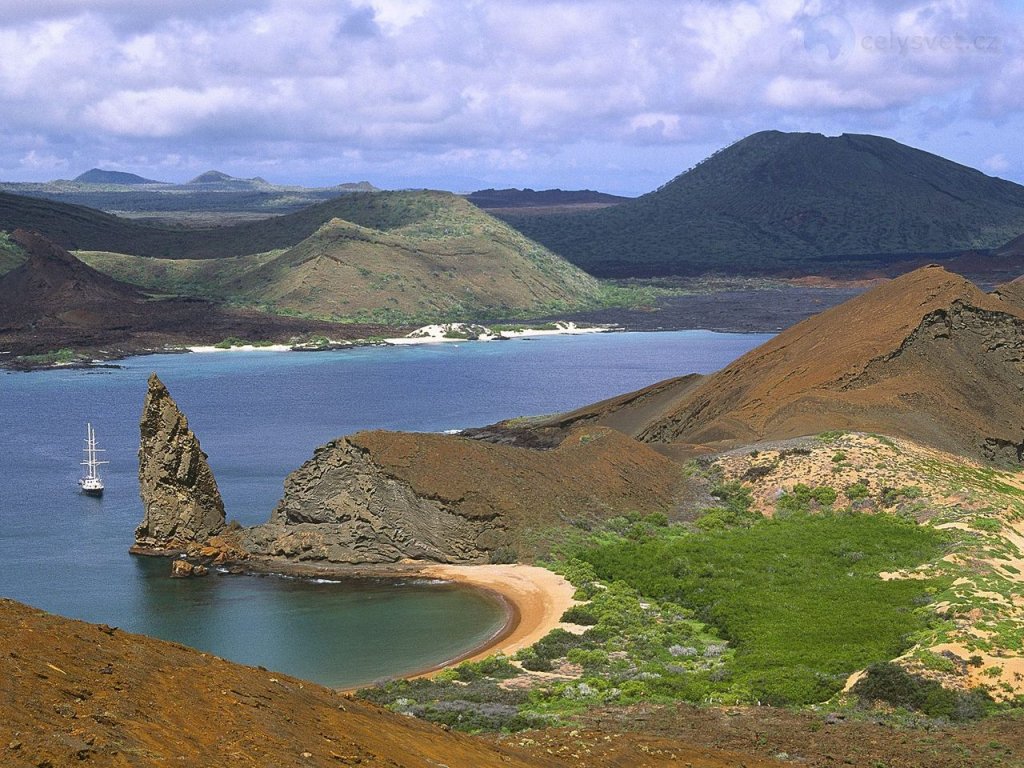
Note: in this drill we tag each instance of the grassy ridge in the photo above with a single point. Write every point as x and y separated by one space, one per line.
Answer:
393 258
775 201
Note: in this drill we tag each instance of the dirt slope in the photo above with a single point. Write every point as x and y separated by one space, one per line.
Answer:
383 496
927 356
74 693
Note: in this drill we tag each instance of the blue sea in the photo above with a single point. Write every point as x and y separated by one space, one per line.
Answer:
259 415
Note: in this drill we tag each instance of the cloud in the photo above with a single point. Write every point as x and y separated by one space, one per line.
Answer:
492 86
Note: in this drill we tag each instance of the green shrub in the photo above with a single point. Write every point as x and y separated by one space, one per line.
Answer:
580 614
987 524
858 490
504 555
734 495
803 499
890 683
799 599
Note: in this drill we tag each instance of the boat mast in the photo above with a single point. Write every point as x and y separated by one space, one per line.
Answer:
90 453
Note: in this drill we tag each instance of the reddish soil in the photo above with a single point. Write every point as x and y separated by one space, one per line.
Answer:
927 356
815 740
592 474
73 693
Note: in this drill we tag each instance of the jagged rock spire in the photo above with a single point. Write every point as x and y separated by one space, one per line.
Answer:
179 493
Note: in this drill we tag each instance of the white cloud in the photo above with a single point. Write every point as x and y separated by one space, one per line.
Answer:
997 163
485 84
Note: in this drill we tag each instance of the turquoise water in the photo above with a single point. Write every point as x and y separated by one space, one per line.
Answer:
259 415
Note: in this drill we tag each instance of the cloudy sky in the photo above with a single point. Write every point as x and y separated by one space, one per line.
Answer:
464 94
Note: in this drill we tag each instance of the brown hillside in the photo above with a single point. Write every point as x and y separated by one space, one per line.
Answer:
379 497
927 356
52 285
1012 293
593 472
73 693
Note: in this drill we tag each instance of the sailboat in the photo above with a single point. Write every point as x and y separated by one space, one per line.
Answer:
91 484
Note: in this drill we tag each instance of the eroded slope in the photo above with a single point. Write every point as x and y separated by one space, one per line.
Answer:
927 356
384 496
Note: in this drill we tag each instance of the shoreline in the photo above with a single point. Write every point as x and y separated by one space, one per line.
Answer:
532 597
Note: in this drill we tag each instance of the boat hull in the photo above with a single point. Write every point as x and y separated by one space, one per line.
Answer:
92 491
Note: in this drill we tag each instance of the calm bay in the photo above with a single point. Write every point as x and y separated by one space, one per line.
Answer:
259 415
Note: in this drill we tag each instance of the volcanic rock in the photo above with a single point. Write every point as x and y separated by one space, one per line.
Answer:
52 287
179 493
927 356
384 496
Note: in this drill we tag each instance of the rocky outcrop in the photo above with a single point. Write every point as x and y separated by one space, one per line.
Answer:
340 507
179 493
386 496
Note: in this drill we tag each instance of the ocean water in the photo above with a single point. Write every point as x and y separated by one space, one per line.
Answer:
259 415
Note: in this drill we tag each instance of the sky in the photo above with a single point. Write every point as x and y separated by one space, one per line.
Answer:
469 94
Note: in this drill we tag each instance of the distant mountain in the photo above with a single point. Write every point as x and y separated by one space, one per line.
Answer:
791 202
53 300
216 177
100 176
210 198
80 228
549 198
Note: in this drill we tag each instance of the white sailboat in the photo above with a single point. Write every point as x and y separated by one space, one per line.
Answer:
91 484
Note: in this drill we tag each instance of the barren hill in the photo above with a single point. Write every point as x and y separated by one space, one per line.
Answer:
74 693
791 203
53 300
52 285
927 356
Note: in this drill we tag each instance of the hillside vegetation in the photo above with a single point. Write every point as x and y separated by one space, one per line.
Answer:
790 202
392 256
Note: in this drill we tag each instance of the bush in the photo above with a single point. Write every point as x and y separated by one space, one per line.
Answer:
855 491
504 555
799 600
803 499
890 683
580 614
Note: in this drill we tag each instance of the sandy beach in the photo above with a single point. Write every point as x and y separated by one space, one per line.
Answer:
537 596
439 334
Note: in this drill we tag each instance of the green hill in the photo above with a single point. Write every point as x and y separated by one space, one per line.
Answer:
393 256
100 176
777 202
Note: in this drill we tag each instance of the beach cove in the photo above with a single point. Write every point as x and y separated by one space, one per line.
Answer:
259 415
